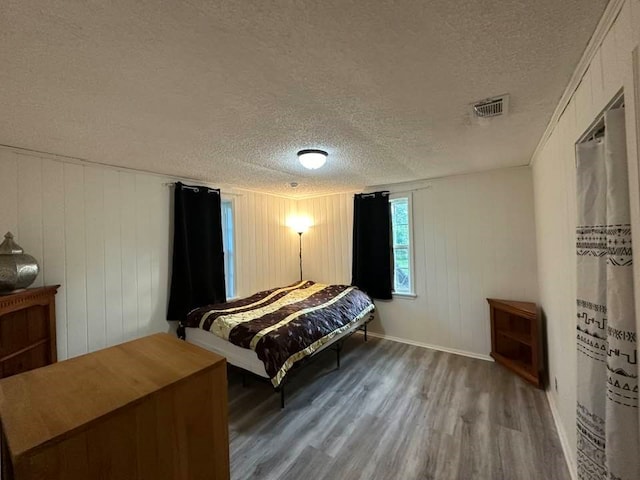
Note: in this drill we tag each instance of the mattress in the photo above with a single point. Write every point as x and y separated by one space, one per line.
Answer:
238 356
283 325
243 357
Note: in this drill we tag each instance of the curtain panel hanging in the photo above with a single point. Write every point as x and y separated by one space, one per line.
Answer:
372 250
607 395
197 277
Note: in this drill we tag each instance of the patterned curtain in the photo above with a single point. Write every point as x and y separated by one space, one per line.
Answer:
607 396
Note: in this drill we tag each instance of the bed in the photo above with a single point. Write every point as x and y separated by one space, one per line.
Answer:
273 331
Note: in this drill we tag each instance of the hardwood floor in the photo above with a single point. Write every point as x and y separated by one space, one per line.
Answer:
394 411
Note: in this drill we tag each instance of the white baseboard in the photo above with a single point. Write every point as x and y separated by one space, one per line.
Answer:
427 345
562 435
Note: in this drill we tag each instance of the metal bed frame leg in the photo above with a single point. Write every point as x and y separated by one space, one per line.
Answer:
280 388
181 332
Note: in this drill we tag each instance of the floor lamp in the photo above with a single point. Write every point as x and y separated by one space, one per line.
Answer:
300 227
300 235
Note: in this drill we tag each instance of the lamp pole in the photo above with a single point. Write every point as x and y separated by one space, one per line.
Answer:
300 235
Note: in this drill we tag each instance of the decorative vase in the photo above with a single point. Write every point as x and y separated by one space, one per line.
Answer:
17 269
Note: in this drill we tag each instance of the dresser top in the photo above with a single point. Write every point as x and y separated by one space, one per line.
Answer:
53 402
15 300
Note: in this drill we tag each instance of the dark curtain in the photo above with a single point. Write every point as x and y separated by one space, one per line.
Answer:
197 277
372 250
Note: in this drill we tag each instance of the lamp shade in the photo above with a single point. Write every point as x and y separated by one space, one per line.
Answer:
312 159
300 224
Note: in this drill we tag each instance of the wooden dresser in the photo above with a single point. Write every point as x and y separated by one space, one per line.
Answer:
27 330
515 338
151 409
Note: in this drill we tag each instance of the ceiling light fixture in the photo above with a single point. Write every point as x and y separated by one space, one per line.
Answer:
312 159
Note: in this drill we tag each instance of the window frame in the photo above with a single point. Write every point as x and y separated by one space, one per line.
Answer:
410 249
234 261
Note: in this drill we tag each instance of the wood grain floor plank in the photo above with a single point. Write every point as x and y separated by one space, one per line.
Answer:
394 411
311 463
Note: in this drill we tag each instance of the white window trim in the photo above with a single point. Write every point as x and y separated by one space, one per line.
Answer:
404 295
411 294
232 200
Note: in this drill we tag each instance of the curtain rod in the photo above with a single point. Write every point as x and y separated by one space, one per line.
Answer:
597 126
209 189
195 188
409 190
373 194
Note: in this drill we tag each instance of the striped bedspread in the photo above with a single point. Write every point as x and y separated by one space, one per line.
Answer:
284 325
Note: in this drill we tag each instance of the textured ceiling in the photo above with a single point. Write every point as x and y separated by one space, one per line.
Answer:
228 91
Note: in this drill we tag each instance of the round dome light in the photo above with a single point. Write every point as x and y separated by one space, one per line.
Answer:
312 159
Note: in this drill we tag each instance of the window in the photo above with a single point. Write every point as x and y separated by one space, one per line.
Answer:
228 244
401 235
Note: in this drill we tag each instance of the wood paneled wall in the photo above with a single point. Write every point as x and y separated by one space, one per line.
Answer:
611 69
105 235
474 238
267 249
326 247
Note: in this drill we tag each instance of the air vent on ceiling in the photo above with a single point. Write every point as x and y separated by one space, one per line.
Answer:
491 107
